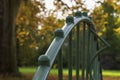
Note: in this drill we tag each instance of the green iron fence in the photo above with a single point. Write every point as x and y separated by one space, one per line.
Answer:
82 42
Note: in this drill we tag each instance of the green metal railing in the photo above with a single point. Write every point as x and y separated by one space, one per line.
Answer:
83 43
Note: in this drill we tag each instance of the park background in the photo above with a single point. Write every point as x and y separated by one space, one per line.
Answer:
37 20
36 25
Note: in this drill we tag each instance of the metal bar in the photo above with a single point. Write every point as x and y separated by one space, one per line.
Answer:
88 53
77 51
91 54
101 77
60 66
95 63
101 72
93 31
70 56
97 52
83 54
99 64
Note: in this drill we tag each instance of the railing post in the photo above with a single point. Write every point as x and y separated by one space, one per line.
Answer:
70 56
91 55
88 54
77 15
70 20
60 66
84 48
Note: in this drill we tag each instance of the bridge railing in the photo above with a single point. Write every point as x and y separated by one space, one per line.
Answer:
82 42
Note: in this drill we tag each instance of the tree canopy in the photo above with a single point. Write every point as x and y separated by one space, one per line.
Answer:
36 24
106 18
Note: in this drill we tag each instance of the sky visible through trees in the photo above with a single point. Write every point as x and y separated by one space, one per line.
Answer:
90 4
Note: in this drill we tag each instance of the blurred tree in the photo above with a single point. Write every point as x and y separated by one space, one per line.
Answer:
47 32
36 24
35 30
27 22
8 12
27 31
69 8
106 17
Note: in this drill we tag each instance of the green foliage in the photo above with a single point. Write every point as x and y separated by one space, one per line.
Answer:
106 18
26 31
35 30
48 28
27 22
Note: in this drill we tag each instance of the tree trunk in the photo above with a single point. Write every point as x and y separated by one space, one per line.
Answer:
8 12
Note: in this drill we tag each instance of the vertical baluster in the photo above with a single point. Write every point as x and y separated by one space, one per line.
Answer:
88 53
100 67
101 77
94 65
70 56
99 64
60 67
83 54
77 51
77 15
91 55
95 61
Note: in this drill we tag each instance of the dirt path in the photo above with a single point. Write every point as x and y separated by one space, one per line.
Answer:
111 78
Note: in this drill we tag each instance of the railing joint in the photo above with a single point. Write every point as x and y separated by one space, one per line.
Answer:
69 20
44 60
59 33
90 17
78 14
84 14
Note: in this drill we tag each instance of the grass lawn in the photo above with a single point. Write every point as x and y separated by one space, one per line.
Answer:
31 70
28 73
27 70
114 73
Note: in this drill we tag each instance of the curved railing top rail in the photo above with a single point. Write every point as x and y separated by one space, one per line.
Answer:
46 61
